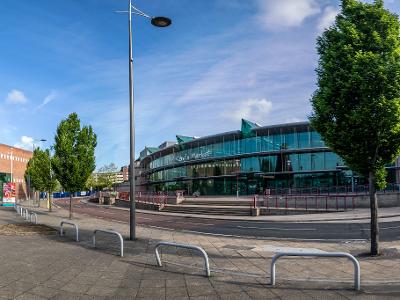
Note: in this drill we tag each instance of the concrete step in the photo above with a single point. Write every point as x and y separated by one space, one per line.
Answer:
218 202
209 210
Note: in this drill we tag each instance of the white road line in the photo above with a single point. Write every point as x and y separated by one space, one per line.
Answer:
381 228
144 218
275 228
391 227
106 212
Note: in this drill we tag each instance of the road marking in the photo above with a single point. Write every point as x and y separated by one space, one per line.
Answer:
188 223
262 238
144 218
381 228
106 212
275 228
391 227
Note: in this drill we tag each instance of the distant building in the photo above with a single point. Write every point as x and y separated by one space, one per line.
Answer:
248 161
125 173
13 163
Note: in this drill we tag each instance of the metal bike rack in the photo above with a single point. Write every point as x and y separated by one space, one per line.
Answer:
36 217
72 224
357 272
110 232
186 246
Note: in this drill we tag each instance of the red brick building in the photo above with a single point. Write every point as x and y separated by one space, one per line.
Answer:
13 163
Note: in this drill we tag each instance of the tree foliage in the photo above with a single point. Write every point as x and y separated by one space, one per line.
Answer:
74 158
356 107
40 172
357 103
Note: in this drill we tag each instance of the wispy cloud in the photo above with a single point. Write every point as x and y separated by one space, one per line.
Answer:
49 98
16 96
277 15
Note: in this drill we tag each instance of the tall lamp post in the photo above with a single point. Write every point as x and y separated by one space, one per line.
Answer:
158 22
11 163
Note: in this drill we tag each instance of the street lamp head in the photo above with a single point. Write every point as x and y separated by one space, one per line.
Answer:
161 21
43 140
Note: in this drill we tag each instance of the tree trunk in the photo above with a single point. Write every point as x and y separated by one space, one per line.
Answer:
70 205
49 200
374 215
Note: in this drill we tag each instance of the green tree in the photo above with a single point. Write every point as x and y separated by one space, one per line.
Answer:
356 107
74 159
40 173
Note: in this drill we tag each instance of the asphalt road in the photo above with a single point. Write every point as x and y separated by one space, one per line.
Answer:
389 231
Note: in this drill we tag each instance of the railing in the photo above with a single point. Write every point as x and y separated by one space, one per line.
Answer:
309 202
72 224
186 246
343 189
357 272
109 231
159 198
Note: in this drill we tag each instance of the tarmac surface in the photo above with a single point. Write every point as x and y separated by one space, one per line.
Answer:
47 266
352 225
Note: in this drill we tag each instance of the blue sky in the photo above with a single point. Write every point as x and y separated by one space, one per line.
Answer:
220 61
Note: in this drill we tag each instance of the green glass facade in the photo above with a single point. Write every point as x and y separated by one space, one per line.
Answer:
281 156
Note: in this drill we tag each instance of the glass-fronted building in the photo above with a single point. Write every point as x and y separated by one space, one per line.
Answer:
247 161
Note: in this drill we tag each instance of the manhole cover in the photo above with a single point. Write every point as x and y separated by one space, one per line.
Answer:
25 229
235 247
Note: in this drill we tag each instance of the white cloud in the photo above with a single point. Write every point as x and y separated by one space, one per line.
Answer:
327 18
26 142
16 96
50 97
283 14
255 110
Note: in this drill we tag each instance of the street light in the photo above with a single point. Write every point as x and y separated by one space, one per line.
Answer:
33 143
11 163
158 22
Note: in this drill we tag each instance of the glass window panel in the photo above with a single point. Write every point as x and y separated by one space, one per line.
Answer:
332 161
276 142
305 162
316 140
291 141
304 139
317 161
250 164
265 143
267 163
294 162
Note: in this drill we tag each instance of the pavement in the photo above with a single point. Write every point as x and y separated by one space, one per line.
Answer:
47 266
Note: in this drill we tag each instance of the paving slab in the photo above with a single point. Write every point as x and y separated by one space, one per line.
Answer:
47 266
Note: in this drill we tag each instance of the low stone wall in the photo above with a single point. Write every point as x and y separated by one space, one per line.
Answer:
139 205
384 200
